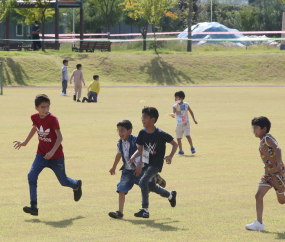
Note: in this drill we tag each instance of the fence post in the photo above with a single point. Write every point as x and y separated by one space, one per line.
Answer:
1 77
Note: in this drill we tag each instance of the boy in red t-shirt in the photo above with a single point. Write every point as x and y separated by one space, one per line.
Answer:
49 154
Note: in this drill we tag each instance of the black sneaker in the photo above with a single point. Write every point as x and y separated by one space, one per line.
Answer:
173 199
77 191
116 215
74 97
78 101
142 214
31 210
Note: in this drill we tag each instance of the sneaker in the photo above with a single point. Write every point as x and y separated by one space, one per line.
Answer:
78 101
62 94
31 210
66 95
180 152
173 199
74 97
142 214
78 191
116 215
193 150
255 226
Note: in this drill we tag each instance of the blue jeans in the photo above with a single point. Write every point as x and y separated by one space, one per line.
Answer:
128 179
147 184
57 165
92 95
64 86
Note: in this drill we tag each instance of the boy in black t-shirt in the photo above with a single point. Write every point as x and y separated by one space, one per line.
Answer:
151 144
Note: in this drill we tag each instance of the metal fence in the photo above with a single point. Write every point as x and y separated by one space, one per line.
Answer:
1 78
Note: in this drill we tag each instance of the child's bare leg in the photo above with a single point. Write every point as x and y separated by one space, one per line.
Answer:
179 144
262 190
190 140
281 198
121 201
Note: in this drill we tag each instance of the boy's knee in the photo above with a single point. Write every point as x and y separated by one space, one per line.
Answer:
258 197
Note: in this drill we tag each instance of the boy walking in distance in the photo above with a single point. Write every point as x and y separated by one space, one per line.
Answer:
151 144
64 78
180 109
273 176
77 75
93 90
49 153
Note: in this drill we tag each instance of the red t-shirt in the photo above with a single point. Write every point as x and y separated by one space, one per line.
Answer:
46 132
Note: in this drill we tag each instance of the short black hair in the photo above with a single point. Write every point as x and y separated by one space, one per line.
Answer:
262 122
125 124
180 94
151 112
78 65
64 61
36 22
95 77
41 98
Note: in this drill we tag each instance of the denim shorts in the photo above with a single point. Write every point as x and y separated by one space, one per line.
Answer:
128 179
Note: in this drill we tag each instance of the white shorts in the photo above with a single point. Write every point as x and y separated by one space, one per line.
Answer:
182 129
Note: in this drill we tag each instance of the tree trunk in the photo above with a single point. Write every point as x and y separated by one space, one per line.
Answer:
155 43
144 35
189 41
43 31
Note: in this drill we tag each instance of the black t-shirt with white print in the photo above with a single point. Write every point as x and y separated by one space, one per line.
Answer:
155 144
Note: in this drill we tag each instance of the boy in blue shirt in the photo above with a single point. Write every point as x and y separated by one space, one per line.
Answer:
180 109
126 147
151 144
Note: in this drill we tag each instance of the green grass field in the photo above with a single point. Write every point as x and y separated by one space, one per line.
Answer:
206 65
215 187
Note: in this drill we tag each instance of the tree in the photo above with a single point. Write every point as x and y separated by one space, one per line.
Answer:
189 42
148 12
41 13
5 7
109 11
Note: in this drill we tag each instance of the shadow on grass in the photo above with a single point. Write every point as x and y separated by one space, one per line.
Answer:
16 71
189 155
56 224
164 73
279 235
163 226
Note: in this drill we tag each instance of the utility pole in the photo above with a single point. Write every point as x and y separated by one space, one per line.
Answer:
189 41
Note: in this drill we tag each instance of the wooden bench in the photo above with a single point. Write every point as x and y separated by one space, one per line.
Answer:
11 46
88 46
103 46
51 46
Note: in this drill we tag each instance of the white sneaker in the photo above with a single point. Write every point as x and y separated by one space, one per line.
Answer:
66 95
62 94
255 226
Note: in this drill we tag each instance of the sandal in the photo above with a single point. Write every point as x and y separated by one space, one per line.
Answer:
116 215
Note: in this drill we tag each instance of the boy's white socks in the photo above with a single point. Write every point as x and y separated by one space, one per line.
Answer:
145 209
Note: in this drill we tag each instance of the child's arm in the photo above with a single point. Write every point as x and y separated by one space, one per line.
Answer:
138 169
58 141
30 135
174 148
62 75
278 152
82 78
192 114
71 77
98 88
117 160
134 156
174 112
88 89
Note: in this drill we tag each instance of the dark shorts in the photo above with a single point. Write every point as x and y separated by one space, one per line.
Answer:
128 179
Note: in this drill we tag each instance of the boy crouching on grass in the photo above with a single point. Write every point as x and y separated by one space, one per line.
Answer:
126 147
49 154
273 176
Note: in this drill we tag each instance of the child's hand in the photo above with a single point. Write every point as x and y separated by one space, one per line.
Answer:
168 159
138 170
19 144
132 160
112 170
195 122
48 155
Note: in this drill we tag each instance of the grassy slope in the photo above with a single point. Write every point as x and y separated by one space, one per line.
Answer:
215 187
138 68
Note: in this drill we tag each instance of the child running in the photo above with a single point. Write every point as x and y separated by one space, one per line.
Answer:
93 90
151 144
180 109
49 154
77 74
274 169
